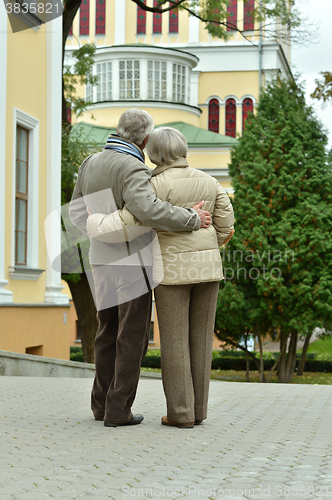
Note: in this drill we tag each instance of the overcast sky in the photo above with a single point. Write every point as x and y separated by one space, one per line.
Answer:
309 60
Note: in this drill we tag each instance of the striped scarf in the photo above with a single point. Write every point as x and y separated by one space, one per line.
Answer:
117 144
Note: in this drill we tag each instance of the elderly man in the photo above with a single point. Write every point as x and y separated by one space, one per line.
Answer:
123 329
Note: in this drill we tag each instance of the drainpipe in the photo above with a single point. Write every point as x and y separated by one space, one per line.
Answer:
260 46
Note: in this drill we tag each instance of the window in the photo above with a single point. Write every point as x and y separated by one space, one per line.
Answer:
232 15
214 115
248 15
129 79
247 107
104 85
84 17
141 20
88 93
100 17
174 21
231 118
157 81
156 19
21 196
179 83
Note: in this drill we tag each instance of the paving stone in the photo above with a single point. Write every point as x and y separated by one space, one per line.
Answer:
256 436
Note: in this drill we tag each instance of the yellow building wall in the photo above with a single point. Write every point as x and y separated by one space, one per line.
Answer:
109 23
26 90
238 83
110 117
44 331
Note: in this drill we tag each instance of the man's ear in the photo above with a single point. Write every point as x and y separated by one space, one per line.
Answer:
144 143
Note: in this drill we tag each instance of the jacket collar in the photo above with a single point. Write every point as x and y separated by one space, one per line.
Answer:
181 162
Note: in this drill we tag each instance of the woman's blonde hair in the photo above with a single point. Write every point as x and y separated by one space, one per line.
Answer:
165 145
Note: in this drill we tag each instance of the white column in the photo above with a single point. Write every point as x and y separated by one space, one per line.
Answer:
120 22
194 80
53 159
5 295
193 30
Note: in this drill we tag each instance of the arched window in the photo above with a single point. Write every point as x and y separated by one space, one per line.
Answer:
141 19
232 13
248 24
100 17
156 19
174 21
247 107
84 17
214 115
230 118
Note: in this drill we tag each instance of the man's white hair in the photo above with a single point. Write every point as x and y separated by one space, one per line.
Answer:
134 125
165 145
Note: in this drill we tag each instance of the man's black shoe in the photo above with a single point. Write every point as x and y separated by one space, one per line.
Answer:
137 419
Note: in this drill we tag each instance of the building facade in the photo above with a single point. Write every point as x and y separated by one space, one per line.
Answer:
34 310
173 68
170 66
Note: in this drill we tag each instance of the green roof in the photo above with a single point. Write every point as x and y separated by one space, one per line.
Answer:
200 137
196 137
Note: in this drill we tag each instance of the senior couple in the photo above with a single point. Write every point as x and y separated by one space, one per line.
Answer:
168 199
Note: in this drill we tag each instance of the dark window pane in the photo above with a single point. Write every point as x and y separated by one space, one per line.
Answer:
232 13
231 118
84 17
100 17
174 21
22 177
141 19
214 115
248 24
247 107
157 20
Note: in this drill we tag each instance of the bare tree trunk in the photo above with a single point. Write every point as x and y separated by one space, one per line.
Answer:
275 366
86 314
261 360
291 358
247 359
304 355
282 361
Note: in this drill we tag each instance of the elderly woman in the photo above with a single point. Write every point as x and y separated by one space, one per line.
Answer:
187 296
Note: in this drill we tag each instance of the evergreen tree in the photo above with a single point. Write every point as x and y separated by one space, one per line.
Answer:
283 239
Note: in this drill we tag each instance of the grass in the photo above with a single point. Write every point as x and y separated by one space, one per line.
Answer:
321 346
240 376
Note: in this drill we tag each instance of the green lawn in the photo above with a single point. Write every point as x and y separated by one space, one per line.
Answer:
240 376
321 346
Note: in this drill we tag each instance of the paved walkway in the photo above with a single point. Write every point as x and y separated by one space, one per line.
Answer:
260 441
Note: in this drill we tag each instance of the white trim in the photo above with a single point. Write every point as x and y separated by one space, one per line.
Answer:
145 104
24 273
6 296
209 150
213 97
194 87
221 174
238 101
53 292
120 22
31 124
249 96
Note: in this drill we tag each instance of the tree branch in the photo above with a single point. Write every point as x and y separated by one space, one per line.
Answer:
159 10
